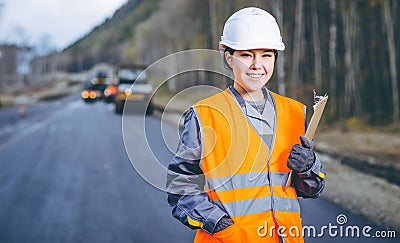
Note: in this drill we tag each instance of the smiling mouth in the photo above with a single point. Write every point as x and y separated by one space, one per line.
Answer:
255 75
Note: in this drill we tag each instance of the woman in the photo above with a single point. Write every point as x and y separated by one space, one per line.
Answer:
227 179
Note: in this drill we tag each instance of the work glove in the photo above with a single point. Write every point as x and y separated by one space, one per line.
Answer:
301 158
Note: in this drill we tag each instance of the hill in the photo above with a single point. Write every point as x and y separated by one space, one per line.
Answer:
113 40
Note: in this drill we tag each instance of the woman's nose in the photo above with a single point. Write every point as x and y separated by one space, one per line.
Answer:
255 64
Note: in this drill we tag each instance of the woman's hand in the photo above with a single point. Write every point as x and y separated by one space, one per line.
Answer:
301 158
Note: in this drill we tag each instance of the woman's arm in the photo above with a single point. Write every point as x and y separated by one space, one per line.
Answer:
189 202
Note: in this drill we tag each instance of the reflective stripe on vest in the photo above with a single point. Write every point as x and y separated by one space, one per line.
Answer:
247 180
263 204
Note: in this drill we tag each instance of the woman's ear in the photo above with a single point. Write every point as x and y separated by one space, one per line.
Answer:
228 58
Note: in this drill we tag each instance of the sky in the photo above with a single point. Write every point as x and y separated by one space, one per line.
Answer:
51 24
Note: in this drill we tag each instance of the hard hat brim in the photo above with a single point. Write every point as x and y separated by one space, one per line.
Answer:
253 46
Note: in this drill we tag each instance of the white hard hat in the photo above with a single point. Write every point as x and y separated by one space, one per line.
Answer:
252 28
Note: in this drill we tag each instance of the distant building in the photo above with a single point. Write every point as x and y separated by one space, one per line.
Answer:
42 68
14 65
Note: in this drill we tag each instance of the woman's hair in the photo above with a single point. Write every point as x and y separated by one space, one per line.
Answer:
231 51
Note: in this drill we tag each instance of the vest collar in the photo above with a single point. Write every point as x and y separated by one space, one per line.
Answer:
250 111
240 99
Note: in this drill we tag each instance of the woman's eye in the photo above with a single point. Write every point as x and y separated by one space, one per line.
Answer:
268 55
245 55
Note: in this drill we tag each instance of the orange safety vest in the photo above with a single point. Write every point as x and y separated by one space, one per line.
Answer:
243 176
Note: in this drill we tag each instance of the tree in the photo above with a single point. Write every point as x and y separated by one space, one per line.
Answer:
281 60
213 22
352 102
332 57
392 58
297 47
317 46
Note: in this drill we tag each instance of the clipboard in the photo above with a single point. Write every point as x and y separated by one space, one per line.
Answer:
319 106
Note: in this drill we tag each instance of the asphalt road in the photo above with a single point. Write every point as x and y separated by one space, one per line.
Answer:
65 176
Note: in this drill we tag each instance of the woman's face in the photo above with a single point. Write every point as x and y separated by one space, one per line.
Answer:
252 70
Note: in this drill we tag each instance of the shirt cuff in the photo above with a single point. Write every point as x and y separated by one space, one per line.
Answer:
316 169
212 220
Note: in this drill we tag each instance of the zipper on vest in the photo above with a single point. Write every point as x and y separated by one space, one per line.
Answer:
269 159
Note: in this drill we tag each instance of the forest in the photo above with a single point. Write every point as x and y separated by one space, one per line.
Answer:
348 49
